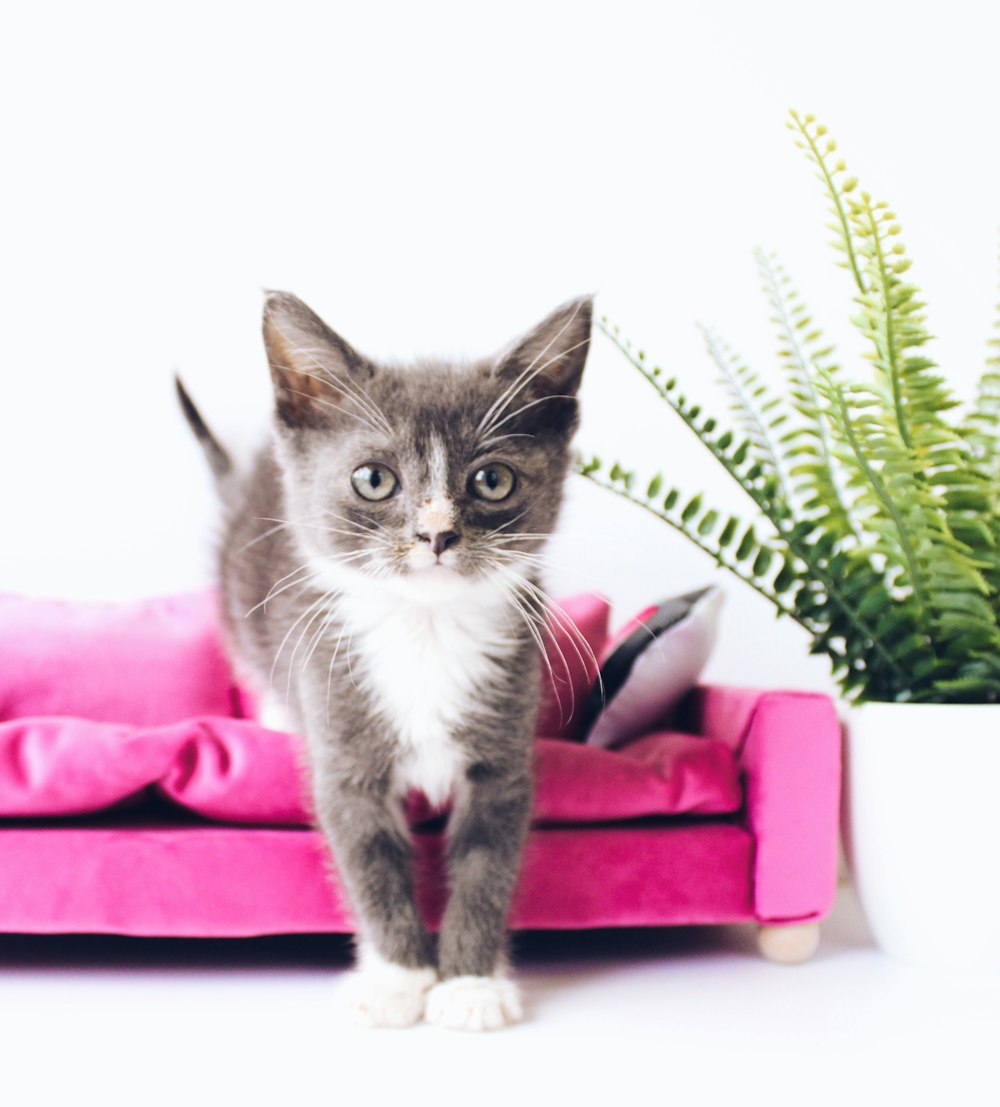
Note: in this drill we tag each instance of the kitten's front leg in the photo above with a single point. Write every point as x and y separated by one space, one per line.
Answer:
486 836
373 855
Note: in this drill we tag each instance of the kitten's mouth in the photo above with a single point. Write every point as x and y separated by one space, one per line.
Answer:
436 569
431 581
422 561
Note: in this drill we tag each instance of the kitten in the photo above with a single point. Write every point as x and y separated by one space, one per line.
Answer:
379 581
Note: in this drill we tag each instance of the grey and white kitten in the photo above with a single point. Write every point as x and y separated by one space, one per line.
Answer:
379 578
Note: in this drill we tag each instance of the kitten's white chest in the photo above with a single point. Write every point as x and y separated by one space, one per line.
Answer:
426 665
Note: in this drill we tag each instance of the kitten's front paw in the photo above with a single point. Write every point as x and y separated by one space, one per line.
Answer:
388 995
474 1003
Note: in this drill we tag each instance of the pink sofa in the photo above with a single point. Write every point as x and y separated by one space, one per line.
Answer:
139 797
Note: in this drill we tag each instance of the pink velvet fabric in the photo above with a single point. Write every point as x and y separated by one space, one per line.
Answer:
220 881
102 706
233 770
788 745
146 663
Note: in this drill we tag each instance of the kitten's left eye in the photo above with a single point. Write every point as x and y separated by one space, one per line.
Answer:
493 482
374 481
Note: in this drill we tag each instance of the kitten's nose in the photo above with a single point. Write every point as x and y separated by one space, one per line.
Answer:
440 540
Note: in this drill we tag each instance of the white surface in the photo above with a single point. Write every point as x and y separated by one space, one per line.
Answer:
652 1017
434 178
922 829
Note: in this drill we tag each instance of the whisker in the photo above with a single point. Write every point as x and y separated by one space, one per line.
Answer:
362 397
366 525
333 407
546 607
508 394
341 385
532 627
510 522
494 440
573 633
546 562
320 633
288 634
493 424
528 406
333 659
494 421
320 613
276 591
266 534
517 536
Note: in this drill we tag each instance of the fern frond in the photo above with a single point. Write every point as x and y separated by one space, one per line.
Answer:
921 468
761 414
732 543
983 423
832 171
892 320
735 453
925 565
802 355
982 433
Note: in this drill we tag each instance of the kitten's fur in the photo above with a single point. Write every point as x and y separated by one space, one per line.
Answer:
402 635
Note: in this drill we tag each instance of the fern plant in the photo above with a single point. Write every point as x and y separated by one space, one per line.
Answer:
875 504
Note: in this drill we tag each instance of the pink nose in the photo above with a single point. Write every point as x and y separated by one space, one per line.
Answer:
440 540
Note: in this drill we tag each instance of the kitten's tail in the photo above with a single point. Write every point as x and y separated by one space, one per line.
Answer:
219 461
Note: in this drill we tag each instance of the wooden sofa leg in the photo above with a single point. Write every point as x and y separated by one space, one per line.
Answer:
790 943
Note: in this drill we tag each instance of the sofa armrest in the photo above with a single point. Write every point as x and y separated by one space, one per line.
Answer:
788 746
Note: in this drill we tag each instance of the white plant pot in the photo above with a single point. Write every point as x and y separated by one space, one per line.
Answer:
922 829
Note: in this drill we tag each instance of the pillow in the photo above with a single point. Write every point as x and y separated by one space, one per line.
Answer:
649 666
145 663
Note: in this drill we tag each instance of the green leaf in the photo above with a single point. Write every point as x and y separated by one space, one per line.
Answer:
728 531
762 562
748 543
691 509
708 522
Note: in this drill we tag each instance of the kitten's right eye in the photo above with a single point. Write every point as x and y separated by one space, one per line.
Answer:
374 481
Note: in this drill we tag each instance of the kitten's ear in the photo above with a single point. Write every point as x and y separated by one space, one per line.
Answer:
311 365
555 351
547 364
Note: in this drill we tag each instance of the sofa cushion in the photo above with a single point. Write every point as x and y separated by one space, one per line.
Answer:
145 663
233 770
665 773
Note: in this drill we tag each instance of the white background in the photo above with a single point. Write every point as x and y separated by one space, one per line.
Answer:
432 178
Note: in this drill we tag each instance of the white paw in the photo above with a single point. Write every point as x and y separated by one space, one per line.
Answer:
474 1003
387 995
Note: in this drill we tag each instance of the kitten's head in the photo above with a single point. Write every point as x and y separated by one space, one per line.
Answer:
426 475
